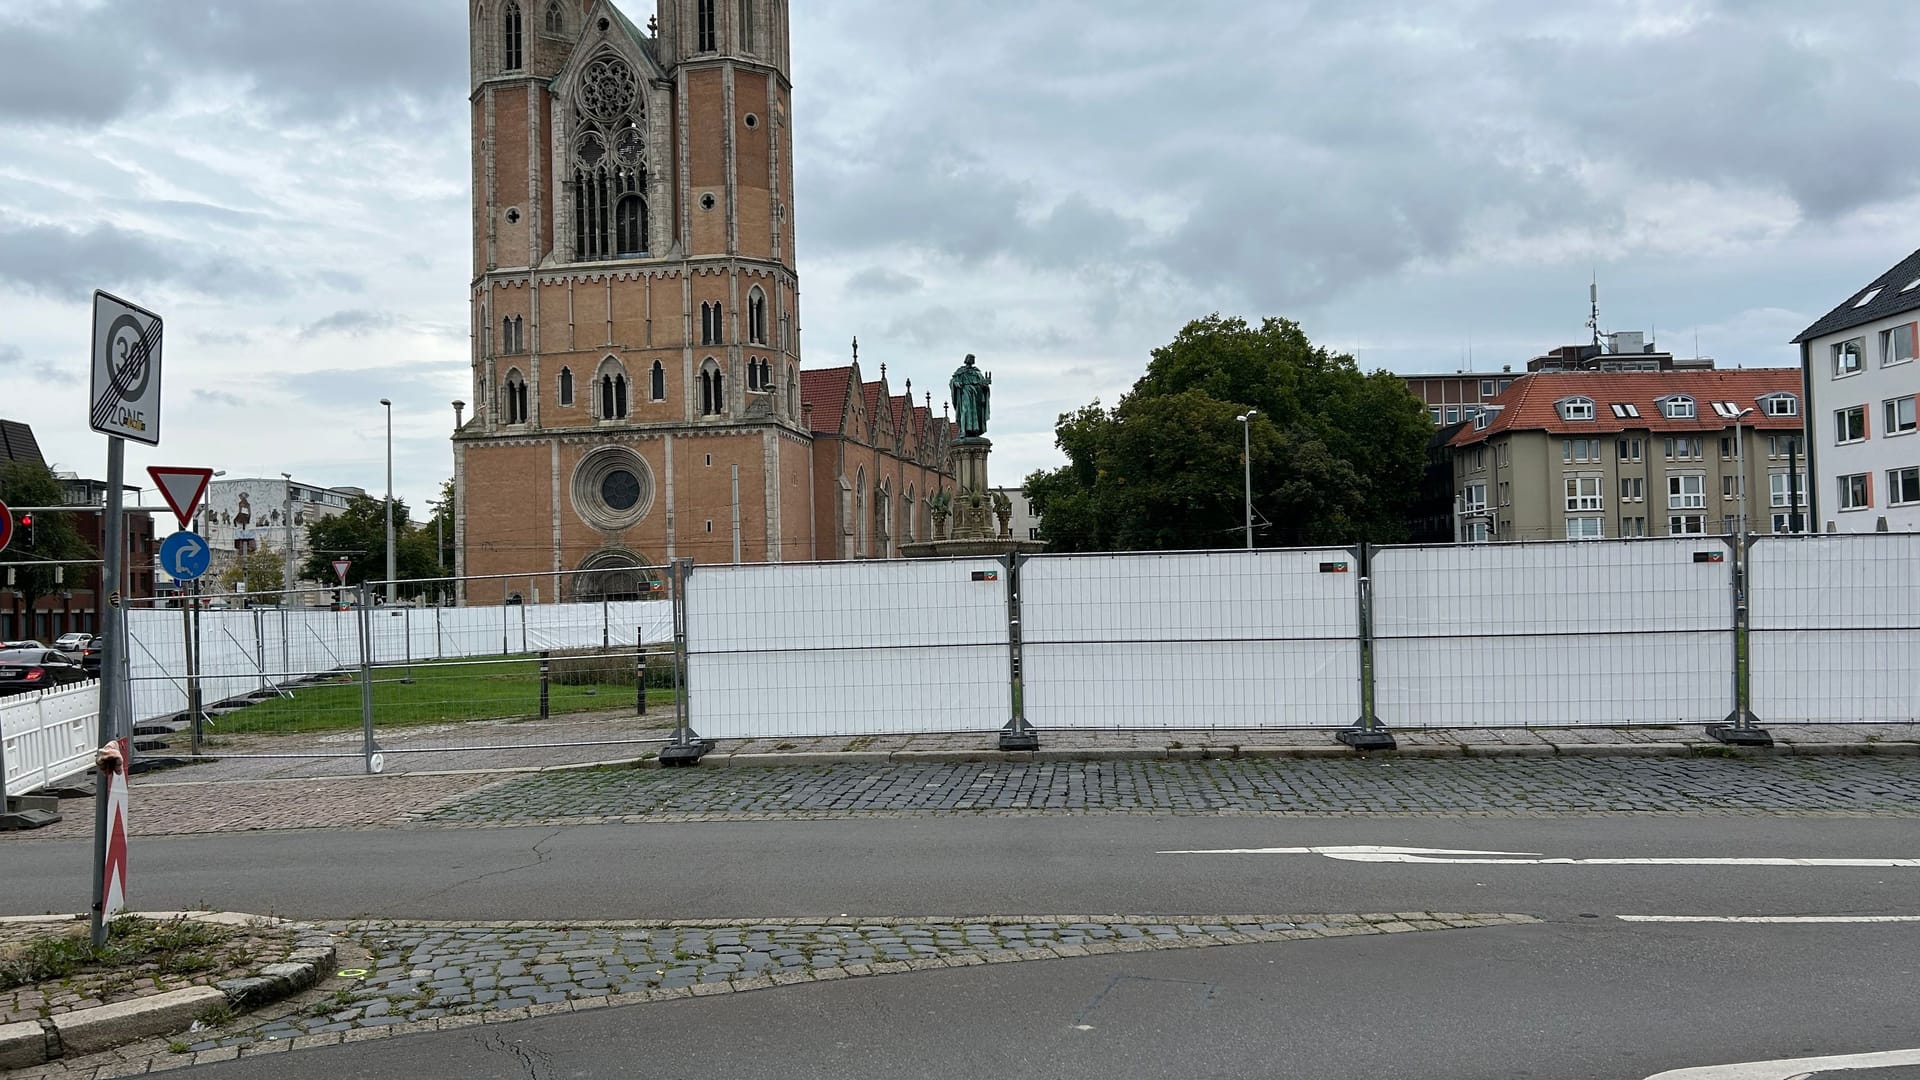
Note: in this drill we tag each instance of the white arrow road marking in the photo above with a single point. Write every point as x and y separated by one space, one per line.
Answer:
1769 918
189 549
1372 853
1794 1068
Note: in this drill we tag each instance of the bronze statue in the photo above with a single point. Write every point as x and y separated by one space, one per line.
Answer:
971 389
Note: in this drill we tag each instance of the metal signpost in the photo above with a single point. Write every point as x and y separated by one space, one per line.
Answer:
123 403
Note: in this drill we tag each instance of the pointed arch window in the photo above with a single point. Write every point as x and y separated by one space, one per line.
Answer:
793 392
746 24
757 317
513 337
512 38
659 387
913 533
708 31
556 18
516 397
713 389
613 390
712 324
753 374
608 188
566 386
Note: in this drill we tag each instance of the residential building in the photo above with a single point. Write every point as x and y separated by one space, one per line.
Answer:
636 364
1025 523
246 514
1863 390
1462 395
1591 454
74 604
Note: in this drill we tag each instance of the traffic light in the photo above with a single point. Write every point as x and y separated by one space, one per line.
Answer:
26 522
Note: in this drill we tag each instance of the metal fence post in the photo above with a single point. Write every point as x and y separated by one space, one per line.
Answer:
1017 734
260 646
1369 733
376 761
640 670
546 674
686 748
1740 728
190 599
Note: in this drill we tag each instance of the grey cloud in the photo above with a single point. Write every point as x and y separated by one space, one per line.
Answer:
880 281
357 322
13 360
359 390
68 263
217 397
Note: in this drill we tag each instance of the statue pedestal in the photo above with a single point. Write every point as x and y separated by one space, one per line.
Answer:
973 526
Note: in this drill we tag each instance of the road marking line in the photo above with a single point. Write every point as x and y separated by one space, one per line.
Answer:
1769 918
1791 1068
1372 853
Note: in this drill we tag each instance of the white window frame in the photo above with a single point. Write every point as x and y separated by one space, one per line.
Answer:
1893 408
1894 478
1853 350
1679 497
1780 405
1586 528
1453 414
1840 425
1677 525
1471 504
1477 531
1633 489
1678 407
1855 496
1888 345
1780 489
1633 526
1630 449
1584 494
1575 408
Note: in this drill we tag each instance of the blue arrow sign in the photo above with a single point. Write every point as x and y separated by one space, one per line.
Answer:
185 556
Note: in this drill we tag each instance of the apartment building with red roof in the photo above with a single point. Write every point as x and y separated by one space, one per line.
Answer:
1593 453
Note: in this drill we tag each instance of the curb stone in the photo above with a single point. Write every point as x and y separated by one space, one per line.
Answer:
105 1027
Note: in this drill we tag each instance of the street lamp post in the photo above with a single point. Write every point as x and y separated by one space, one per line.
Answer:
1740 465
1246 467
286 516
391 597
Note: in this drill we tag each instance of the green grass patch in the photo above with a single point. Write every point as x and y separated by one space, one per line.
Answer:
176 947
439 693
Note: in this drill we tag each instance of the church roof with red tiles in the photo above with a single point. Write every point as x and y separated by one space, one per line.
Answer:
826 390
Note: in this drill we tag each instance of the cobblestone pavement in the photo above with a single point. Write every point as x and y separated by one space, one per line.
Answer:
425 977
1838 785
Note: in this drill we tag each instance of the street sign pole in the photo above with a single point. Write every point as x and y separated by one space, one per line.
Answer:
113 669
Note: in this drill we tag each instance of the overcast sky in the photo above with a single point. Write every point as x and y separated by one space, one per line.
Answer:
1056 186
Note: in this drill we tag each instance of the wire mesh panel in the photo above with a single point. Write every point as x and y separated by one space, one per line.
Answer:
47 735
847 648
1236 639
1554 634
1833 628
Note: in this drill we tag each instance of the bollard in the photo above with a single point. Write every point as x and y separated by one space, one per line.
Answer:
546 672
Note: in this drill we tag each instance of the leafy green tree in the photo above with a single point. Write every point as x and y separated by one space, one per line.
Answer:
1337 455
260 574
359 534
54 535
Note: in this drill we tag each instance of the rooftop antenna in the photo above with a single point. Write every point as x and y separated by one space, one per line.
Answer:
1593 300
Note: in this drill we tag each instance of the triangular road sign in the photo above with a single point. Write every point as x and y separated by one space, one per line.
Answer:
182 488
340 568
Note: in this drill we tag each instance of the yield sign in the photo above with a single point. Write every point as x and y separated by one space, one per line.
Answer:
340 568
182 488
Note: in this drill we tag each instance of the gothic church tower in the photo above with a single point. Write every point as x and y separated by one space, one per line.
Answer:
635 335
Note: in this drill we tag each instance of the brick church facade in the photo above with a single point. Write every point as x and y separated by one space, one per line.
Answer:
637 384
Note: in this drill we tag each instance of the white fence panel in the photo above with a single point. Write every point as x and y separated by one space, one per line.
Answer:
47 736
1833 628
1554 634
1231 639
847 648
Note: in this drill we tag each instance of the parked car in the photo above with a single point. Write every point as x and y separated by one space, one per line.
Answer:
37 669
21 645
90 656
71 642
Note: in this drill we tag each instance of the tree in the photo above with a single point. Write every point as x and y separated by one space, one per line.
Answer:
1337 455
55 535
260 574
359 533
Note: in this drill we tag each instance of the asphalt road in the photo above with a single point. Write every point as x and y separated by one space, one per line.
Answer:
1583 999
989 865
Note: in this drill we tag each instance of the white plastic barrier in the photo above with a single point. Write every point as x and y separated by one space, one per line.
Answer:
1554 634
47 736
847 648
1234 639
1834 628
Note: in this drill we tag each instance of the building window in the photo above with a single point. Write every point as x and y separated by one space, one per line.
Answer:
1729 487
709 37
1780 405
1486 387
1896 345
793 392
1584 528
1575 408
1903 486
712 324
1625 410
516 397
1434 410
659 387
1583 493
556 18
1034 534
1856 492
1677 408
1850 425
515 46
746 24
1633 489
1683 448
713 389
1580 450
757 317
610 170
1474 498
613 391
1726 448
1686 492
1899 415
630 226
1476 532
1846 357
566 386
1453 414
1633 526
1687 525
1479 458
513 334
1630 449
1780 489
753 375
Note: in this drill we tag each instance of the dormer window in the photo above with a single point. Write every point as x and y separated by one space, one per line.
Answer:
1677 408
1780 405
1575 408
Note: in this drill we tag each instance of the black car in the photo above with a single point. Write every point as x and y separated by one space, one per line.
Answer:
90 656
37 669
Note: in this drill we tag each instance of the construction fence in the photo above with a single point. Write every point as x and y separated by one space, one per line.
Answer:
1665 631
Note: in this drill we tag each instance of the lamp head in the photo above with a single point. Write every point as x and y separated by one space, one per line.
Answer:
387 403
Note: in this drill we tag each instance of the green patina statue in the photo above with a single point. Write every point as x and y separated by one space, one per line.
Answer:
971 389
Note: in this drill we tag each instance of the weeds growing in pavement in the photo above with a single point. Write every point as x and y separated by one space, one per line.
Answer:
173 947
